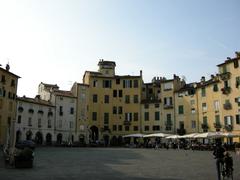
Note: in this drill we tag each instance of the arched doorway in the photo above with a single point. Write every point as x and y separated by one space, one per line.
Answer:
38 138
114 141
18 136
59 138
120 140
29 135
48 139
106 140
94 133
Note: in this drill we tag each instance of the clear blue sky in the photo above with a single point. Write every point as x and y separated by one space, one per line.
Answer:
55 41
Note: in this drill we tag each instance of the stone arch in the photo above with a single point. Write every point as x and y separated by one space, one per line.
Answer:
48 139
29 135
38 138
94 133
59 138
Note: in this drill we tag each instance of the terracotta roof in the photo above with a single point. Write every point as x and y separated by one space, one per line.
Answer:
35 101
64 93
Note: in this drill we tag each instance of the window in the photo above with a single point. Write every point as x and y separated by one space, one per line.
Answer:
215 87
216 105
146 116
203 90
236 65
205 120
49 123
114 93
10 106
204 106
117 81
146 106
60 123
237 81
193 124
114 127
135 128
217 119
19 119
94 116
120 94
224 69
168 101
107 83
226 84
3 79
60 110
1 103
114 110
126 128
128 116
120 110
135 83
157 116
127 83
135 98
168 86
95 98
237 119
95 84
70 124
39 122
228 120
29 121
193 110
180 109
13 83
106 118
71 110
106 99
146 128
135 116
127 99
157 105
156 128
119 127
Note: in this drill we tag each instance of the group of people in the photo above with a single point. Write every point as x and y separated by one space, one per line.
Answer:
224 159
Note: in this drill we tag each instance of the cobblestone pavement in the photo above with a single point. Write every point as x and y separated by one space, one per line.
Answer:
117 164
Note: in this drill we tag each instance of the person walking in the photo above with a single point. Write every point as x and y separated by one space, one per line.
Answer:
219 156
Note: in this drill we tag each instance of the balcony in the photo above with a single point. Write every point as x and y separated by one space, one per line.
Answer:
181 131
226 90
228 127
168 106
204 126
217 125
225 76
227 106
127 123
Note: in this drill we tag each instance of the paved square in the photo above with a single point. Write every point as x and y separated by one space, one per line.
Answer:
118 163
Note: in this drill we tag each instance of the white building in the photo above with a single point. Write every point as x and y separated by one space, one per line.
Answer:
35 120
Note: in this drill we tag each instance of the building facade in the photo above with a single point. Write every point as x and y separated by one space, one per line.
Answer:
8 91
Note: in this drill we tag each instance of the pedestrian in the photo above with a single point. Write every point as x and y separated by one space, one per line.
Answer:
219 156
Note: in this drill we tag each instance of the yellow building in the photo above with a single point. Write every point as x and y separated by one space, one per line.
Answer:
8 90
113 104
186 109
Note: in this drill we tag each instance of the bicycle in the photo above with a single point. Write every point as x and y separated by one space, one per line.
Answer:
226 172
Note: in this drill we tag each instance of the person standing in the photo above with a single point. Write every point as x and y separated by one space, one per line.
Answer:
219 156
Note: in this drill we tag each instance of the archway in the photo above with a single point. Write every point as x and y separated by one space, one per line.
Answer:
38 138
48 139
29 135
18 136
59 138
94 133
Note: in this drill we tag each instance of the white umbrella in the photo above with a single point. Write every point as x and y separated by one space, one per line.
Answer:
230 135
192 135
174 137
209 135
134 135
157 135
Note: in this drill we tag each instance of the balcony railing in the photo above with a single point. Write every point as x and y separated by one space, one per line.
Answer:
181 131
228 127
217 126
127 123
204 126
227 106
225 76
226 90
168 106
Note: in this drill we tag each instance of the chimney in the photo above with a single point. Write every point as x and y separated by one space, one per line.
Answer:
7 67
237 54
141 73
203 79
